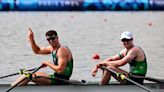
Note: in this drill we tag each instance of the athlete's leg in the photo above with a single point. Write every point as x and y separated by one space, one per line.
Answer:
40 81
105 77
118 70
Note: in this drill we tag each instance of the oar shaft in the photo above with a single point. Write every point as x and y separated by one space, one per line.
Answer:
64 80
15 74
8 75
149 78
139 85
35 70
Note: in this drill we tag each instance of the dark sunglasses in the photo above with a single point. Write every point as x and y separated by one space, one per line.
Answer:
125 40
51 38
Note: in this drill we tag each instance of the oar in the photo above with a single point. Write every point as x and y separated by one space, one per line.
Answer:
96 58
64 80
126 78
149 78
36 69
16 73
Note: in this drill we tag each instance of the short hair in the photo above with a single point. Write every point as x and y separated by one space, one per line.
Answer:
51 33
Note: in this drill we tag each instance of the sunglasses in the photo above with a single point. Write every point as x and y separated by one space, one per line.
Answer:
50 38
125 40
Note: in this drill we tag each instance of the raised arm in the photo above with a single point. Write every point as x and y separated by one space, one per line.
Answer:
36 49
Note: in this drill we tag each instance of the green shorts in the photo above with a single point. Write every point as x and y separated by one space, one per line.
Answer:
53 81
58 82
138 80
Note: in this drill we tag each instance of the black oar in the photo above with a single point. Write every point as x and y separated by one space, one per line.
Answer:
36 69
16 73
145 77
126 78
73 82
149 78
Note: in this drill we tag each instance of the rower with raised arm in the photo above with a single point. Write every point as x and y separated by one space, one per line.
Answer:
62 63
131 54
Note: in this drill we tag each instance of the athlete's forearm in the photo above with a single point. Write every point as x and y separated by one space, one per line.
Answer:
35 47
55 68
116 63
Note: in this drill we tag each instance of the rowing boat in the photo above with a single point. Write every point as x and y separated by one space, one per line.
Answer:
157 85
88 87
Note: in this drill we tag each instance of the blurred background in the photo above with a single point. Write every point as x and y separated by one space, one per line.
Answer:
95 28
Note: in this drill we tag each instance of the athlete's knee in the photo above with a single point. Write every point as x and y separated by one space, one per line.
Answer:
38 74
